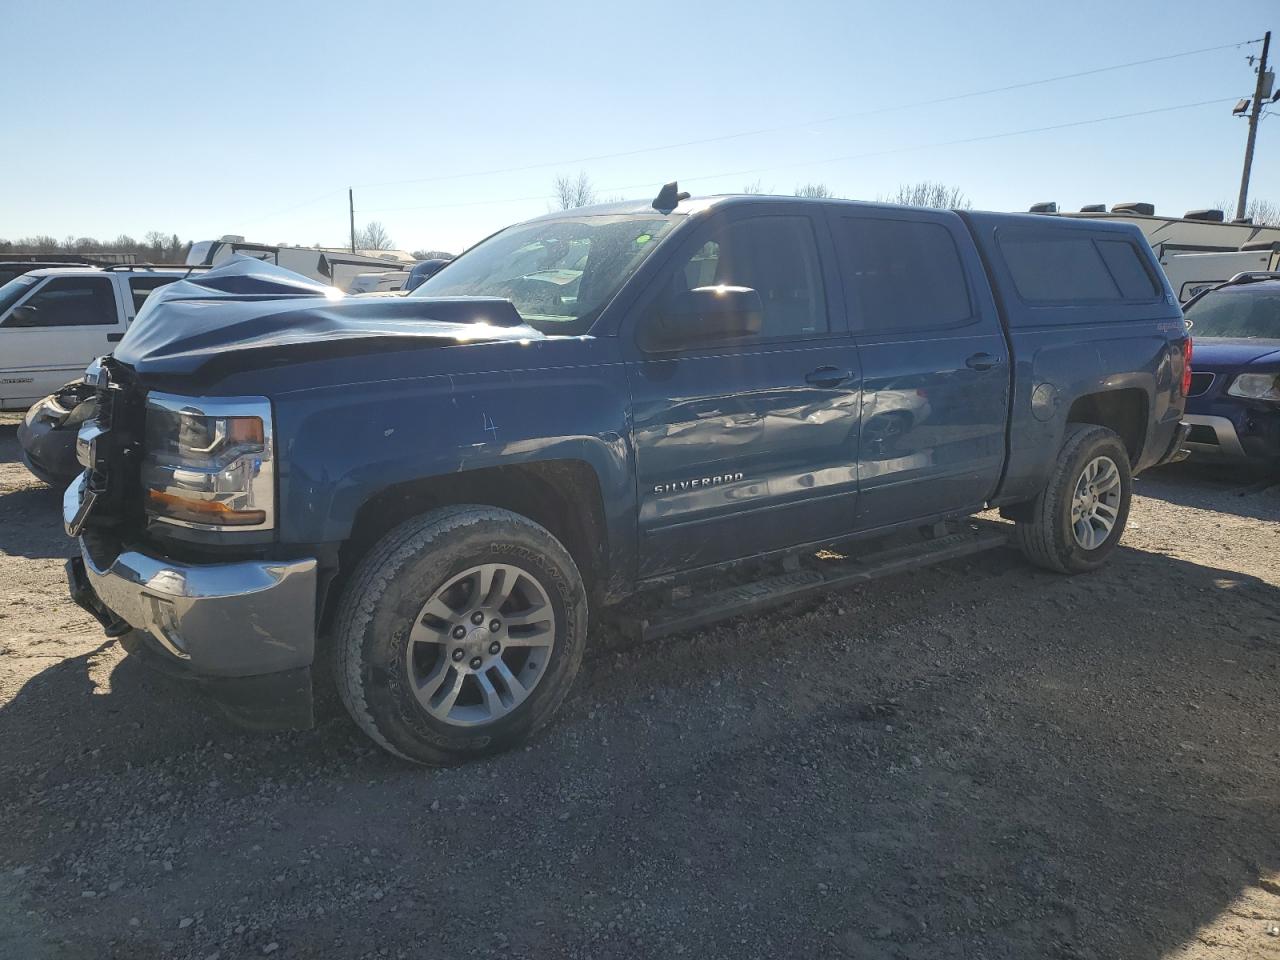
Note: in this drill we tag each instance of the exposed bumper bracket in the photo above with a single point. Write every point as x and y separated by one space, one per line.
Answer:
83 596
1177 450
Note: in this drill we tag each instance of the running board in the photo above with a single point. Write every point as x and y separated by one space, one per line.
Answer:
746 598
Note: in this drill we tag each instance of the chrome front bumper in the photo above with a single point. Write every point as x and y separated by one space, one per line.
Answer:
221 619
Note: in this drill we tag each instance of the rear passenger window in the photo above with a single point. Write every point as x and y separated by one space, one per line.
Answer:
903 275
1074 268
775 256
141 287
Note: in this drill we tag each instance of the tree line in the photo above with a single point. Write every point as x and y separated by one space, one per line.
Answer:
155 247
569 193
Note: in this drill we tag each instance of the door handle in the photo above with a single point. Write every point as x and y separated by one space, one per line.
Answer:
827 377
982 361
114 337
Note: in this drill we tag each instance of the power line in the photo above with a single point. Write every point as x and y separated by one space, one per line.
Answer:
297 206
809 123
840 159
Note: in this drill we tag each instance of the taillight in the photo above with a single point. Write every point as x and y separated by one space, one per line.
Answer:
1187 366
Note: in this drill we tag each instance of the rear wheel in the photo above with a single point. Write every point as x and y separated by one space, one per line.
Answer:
1079 517
460 634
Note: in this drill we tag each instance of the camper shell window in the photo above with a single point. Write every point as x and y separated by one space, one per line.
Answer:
1070 268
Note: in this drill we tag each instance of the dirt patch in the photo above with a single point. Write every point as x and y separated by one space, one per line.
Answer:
976 760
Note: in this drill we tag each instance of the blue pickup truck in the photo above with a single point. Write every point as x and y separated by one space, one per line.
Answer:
663 412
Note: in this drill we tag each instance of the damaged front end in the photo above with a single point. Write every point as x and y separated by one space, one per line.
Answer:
249 315
176 507
47 434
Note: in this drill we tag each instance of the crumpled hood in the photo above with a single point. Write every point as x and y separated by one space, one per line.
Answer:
248 314
1223 353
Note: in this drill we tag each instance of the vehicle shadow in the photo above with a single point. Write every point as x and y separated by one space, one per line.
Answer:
1076 767
31 523
30 510
1242 491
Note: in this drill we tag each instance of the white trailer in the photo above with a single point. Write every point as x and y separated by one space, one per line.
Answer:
326 264
1198 231
1189 273
1197 250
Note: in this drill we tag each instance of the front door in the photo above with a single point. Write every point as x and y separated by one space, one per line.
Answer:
750 445
935 364
49 335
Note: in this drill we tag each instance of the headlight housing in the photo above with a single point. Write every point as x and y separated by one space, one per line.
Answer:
210 462
1256 386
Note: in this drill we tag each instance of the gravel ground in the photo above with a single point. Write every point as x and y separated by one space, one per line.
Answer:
978 760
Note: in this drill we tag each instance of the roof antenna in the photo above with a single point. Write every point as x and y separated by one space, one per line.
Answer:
668 197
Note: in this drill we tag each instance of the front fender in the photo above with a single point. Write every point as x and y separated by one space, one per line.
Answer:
340 448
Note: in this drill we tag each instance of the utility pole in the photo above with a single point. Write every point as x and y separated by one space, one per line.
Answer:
351 194
1254 114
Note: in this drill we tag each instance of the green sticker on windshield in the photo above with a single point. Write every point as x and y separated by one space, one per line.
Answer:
644 238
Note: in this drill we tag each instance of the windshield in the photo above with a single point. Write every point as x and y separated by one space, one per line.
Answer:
559 274
1244 311
15 290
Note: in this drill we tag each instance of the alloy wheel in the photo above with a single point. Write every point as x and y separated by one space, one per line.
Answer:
481 644
1095 504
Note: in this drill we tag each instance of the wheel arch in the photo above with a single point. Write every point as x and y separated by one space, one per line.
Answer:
564 496
1124 411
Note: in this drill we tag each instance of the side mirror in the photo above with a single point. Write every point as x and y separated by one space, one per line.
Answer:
703 316
23 317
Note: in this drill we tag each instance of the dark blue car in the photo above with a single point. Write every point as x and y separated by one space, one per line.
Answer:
1234 402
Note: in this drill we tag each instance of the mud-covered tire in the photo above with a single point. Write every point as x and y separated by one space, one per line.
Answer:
1045 535
383 600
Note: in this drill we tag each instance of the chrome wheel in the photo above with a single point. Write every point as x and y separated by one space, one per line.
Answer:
1095 504
480 645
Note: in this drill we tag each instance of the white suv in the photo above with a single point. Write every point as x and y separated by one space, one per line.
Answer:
54 321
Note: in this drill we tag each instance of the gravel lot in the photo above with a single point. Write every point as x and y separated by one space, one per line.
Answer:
977 760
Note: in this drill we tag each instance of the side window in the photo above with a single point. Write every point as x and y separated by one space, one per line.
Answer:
775 256
1128 270
140 288
74 302
1075 268
903 275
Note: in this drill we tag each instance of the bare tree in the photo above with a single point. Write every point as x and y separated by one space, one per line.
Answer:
753 188
155 245
819 190
1264 213
926 193
374 236
432 255
572 193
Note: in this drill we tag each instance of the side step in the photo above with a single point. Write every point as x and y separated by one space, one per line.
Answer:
746 598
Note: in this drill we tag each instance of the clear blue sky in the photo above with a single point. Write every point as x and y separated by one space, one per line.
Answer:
253 118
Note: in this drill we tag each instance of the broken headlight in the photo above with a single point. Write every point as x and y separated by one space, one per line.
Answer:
210 462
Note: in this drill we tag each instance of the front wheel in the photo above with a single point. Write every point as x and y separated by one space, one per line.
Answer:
459 634
1079 517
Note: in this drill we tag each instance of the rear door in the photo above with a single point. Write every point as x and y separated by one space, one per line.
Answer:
50 335
750 445
935 364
